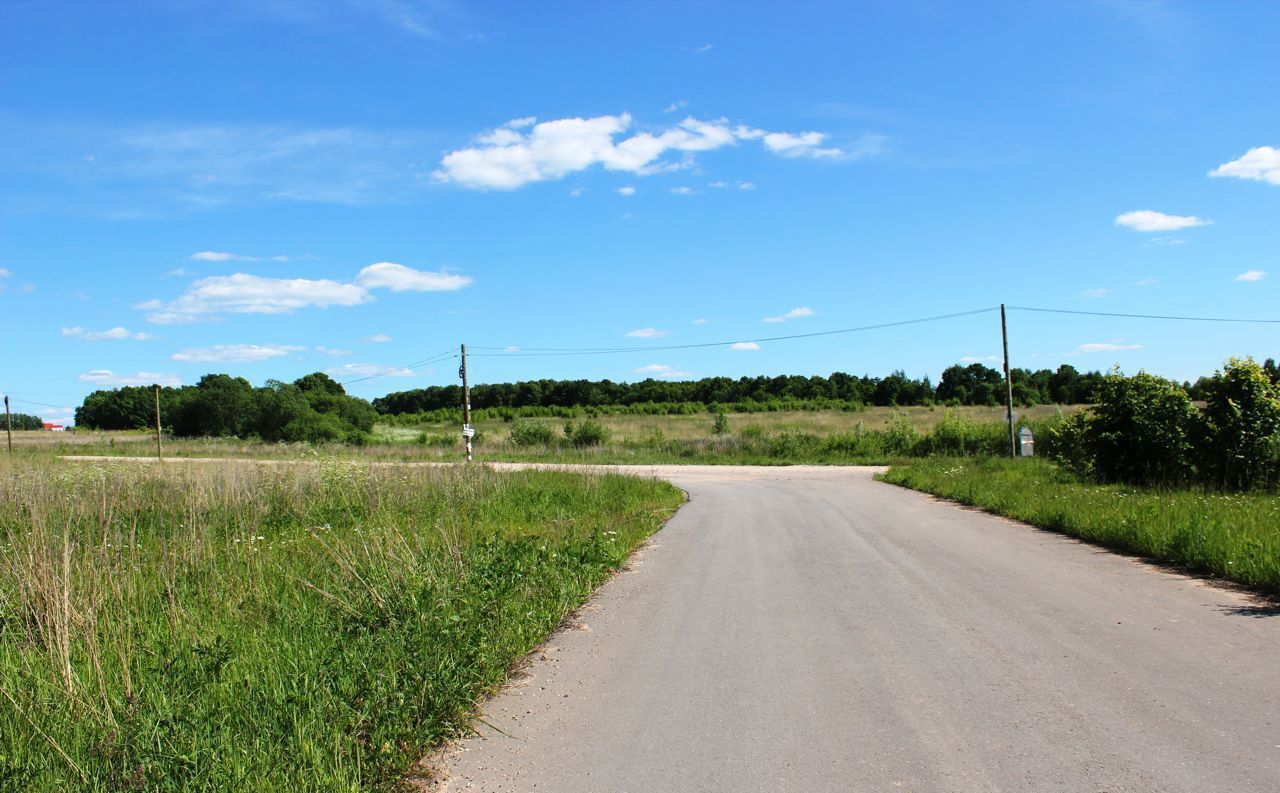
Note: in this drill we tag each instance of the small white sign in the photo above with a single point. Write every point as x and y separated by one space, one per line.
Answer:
468 431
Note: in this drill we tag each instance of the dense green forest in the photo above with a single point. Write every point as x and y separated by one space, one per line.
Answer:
973 384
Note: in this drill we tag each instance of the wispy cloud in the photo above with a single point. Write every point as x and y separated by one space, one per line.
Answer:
662 370
746 185
112 334
701 321
702 49
647 333
1259 164
1100 292
1148 220
377 338
1251 276
106 377
224 256
399 278
332 352
795 313
626 190
523 151
241 293
1150 280
1104 346
674 106
682 190
744 345
979 359
370 369
235 353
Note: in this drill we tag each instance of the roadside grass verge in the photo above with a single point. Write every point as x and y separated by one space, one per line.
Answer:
1231 536
313 628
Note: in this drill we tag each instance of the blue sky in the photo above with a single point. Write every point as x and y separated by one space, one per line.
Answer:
274 188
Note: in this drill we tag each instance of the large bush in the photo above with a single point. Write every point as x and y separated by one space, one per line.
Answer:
1241 432
1140 430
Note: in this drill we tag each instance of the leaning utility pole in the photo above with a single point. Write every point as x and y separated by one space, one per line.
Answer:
467 430
1008 384
159 452
8 424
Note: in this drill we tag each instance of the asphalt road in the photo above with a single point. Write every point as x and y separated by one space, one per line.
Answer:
809 629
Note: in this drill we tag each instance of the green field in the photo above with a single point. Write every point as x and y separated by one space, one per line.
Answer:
869 435
301 628
1231 536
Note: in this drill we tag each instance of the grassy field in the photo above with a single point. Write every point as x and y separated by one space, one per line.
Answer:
307 628
1232 536
869 435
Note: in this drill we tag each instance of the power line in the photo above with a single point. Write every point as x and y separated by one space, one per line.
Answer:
424 362
1146 316
556 351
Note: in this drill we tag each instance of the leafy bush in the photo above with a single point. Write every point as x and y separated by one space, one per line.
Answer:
588 433
1140 430
531 433
1241 427
900 438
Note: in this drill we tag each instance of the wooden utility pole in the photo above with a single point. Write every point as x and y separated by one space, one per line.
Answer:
1008 384
159 451
8 424
467 430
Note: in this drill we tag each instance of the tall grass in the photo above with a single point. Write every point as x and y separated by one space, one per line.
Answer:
1233 536
300 629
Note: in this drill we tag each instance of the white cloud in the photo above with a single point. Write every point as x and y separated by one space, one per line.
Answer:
701 321
719 185
398 278
113 334
106 377
370 369
234 353
795 313
682 190
5 273
674 106
511 348
1150 280
332 352
979 359
1259 164
252 294
512 155
626 190
702 50
1149 220
744 345
576 192
1251 276
1095 292
647 333
241 293
662 370
377 338
215 256
1106 346
746 185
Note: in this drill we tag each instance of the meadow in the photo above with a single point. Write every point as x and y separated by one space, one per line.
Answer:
869 435
300 628
1233 536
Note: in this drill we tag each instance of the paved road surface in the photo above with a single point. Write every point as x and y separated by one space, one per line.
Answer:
809 629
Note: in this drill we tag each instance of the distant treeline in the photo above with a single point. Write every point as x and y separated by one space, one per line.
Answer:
974 384
22 421
312 408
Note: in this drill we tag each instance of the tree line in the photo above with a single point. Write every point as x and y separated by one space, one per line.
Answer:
24 421
313 408
972 384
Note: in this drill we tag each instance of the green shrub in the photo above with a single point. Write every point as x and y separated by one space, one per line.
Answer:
437 440
1140 430
588 433
721 425
1241 427
900 438
530 433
